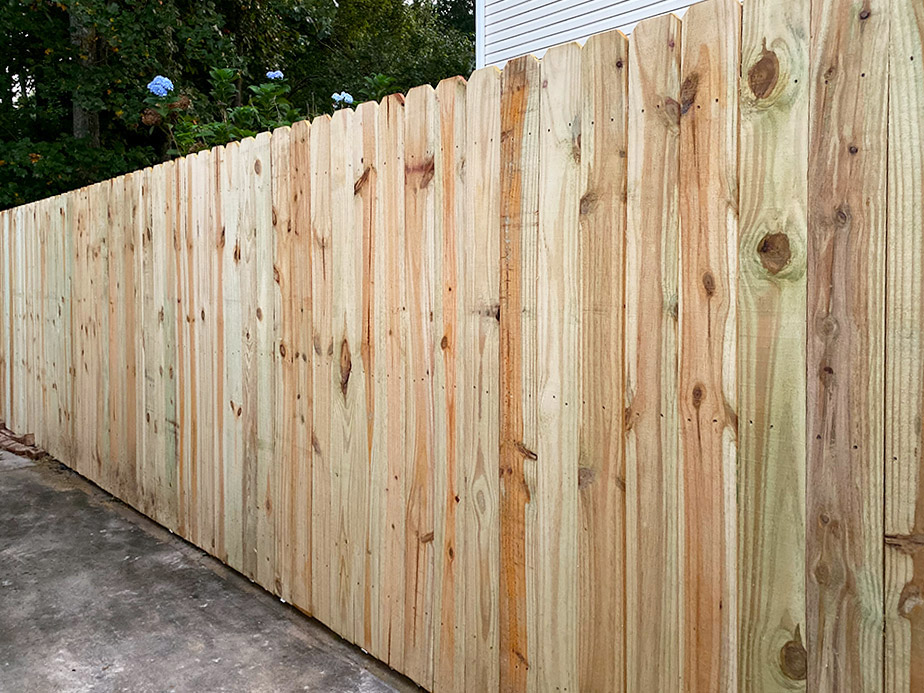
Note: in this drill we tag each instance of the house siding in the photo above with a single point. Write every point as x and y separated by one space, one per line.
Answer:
509 28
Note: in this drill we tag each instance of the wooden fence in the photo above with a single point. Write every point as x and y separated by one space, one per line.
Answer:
602 373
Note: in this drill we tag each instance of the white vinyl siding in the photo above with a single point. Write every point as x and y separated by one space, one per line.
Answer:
510 28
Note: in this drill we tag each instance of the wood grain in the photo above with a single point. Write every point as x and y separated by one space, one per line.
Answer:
348 437
449 531
707 352
322 365
904 480
558 318
391 167
478 402
773 161
5 328
425 415
488 379
601 474
845 344
519 209
653 509
292 233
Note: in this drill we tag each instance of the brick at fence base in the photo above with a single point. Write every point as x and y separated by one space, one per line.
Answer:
19 445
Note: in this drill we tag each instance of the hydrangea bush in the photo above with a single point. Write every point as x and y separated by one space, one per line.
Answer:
190 127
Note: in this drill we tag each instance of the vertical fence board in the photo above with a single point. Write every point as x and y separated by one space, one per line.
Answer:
653 510
151 485
134 357
263 501
176 251
392 175
448 583
249 232
80 404
322 365
478 404
150 438
845 344
370 515
47 317
378 366
347 439
167 470
291 215
6 327
709 241
230 353
771 345
559 368
519 210
116 464
363 412
601 474
904 480
203 317
99 356
424 418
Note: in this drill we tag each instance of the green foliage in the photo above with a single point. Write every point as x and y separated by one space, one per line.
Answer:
94 58
190 127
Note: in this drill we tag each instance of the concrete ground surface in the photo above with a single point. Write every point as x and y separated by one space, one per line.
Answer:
96 597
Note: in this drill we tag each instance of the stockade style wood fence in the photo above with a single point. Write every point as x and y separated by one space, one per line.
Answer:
599 373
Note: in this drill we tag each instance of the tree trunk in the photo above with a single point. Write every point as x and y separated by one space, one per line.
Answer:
86 122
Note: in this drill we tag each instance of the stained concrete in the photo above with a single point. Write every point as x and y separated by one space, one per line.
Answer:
96 597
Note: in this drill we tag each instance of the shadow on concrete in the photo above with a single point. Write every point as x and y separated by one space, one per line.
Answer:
96 597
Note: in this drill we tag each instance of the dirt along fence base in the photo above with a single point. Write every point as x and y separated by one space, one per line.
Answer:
598 373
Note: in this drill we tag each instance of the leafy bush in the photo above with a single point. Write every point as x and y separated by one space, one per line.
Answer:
190 126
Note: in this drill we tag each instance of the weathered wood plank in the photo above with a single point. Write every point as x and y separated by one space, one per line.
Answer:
204 322
519 210
707 380
291 216
846 325
559 313
653 509
370 515
322 366
167 470
263 500
425 418
116 467
347 432
478 403
601 475
6 327
397 324
448 596
773 174
904 478
375 343
98 355
230 354
185 349
151 438
79 214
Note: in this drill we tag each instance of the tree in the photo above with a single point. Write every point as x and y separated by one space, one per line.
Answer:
73 82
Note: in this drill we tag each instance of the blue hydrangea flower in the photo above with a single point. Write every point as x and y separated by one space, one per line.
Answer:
275 74
160 86
337 97
342 97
